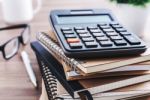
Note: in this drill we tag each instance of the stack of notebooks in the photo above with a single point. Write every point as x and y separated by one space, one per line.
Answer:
103 78
131 92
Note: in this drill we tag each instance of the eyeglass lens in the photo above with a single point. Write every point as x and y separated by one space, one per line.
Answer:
11 48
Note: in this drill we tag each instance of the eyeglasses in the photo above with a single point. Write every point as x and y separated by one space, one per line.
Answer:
11 47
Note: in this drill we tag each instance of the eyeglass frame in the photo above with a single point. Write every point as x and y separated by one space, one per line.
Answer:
20 38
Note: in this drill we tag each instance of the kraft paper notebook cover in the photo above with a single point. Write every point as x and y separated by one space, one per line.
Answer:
72 74
92 65
93 86
126 93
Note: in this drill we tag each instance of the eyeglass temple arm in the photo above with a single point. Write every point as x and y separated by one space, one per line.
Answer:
14 27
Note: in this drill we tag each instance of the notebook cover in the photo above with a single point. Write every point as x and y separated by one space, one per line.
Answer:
100 63
130 92
55 68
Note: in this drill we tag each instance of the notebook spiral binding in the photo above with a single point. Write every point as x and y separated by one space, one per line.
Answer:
50 81
46 40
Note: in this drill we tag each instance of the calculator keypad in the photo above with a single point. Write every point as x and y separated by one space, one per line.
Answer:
99 36
93 33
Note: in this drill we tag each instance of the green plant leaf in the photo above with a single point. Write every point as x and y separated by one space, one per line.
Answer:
133 2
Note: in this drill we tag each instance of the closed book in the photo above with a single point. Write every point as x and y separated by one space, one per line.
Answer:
90 66
75 88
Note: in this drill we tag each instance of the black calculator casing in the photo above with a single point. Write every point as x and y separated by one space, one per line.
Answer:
98 51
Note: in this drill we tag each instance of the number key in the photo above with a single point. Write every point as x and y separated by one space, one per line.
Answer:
120 42
116 37
95 31
88 39
85 35
103 38
66 29
108 30
106 43
70 35
111 33
98 34
75 45
132 40
81 31
91 44
68 32
116 25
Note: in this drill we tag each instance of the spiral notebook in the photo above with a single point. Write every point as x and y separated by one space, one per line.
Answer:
86 87
72 74
90 66
130 92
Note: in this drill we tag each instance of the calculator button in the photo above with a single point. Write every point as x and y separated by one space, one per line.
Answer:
68 32
106 43
116 37
81 31
88 39
79 28
94 30
102 24
105 27
70 35
85 35
104 38
108 30
112 33
73 40
132 40
116 26
75 45
98 34
66 29
92 27
91 44
120 42
125 33
114 23
120 29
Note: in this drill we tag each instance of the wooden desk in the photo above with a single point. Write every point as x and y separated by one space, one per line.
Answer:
14 82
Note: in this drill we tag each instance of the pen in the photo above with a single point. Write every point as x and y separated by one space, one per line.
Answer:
28 67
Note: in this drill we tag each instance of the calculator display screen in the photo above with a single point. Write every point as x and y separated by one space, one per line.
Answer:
83 19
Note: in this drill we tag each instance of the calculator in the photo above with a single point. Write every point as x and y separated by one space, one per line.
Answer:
93 33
